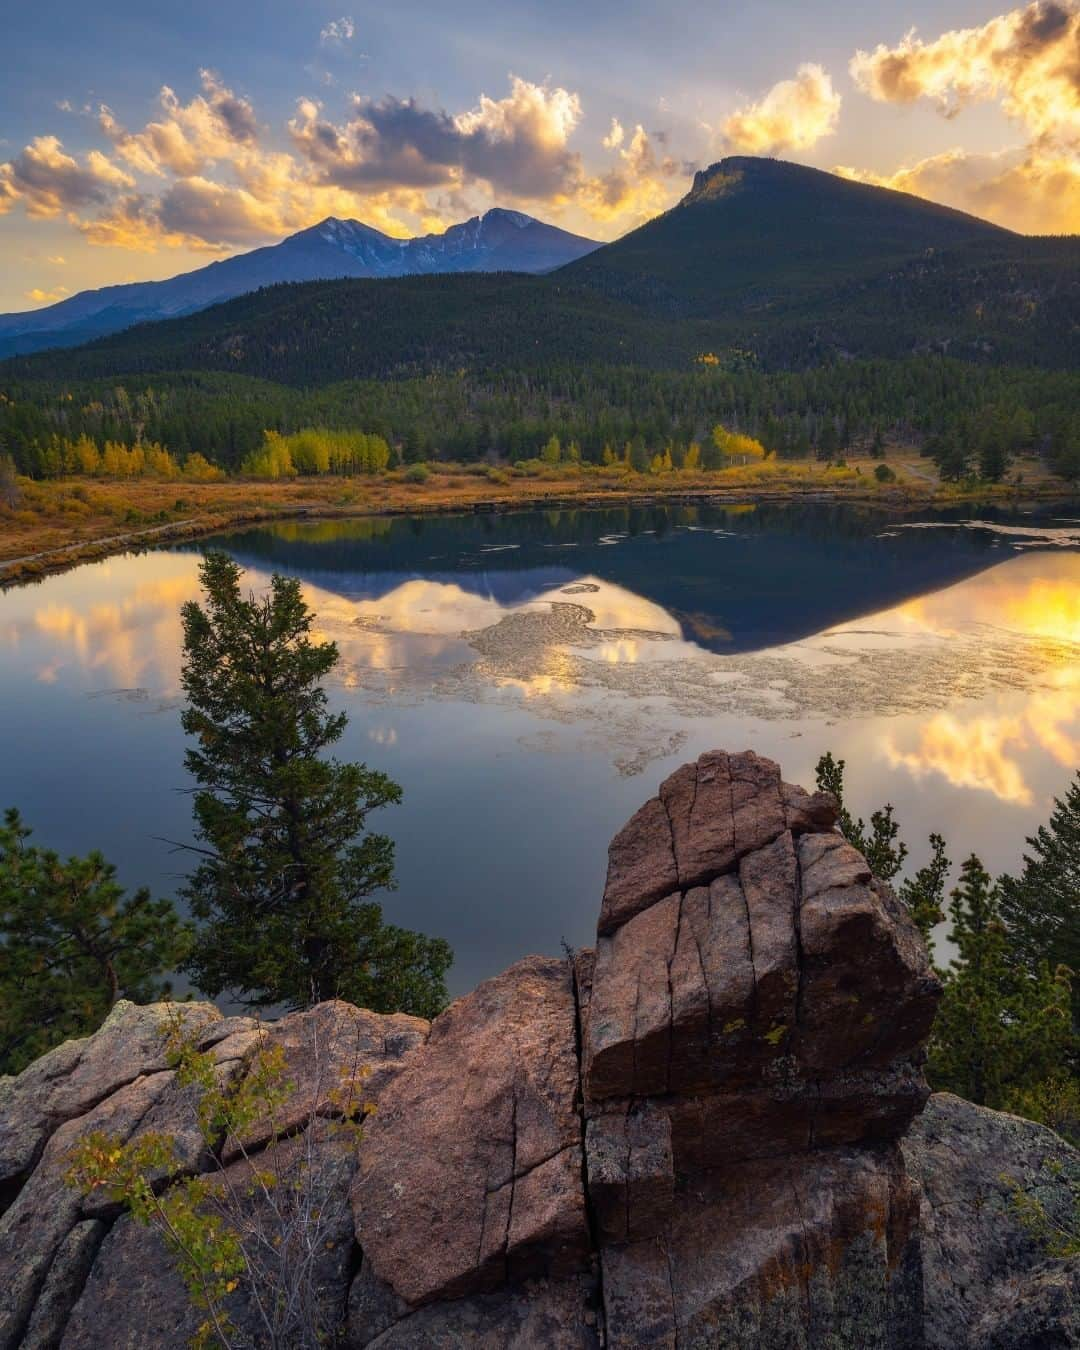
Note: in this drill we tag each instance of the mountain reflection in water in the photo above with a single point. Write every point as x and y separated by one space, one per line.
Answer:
530 679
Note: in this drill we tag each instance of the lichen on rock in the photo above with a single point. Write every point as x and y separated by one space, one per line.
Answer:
705 1132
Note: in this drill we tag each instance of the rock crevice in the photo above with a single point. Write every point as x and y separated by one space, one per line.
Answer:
698 1134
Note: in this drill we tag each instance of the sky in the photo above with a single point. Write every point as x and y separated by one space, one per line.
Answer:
139 140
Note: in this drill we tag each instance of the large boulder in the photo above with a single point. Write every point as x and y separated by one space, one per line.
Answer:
706 1132
988 1279
119 1082
477 1145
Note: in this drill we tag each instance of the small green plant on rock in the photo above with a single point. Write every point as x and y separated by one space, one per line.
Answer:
1057 1237
257 1225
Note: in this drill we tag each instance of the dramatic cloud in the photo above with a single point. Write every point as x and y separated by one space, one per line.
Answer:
215 125
48 181
640 185
793 115
132 222
516 145
1028 60
1023 190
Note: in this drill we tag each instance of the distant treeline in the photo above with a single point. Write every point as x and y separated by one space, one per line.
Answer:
967 415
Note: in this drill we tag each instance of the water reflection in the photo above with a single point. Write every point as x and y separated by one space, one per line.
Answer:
524 703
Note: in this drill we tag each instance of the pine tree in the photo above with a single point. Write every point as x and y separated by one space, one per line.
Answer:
925 891
286 863
878 845
999 1032
73 943
1041 907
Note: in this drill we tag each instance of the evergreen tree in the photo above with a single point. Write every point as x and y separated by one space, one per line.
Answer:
999 1032
1065 454
286 863
1041 907
878 845
952 459
924 893
73 943
993 460
639 456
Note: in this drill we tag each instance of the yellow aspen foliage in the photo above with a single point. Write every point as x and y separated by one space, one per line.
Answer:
552 451
736 448
198 469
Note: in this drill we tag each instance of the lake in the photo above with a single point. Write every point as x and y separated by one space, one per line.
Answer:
530 678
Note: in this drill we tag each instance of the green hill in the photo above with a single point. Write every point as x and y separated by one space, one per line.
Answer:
762 260
760 232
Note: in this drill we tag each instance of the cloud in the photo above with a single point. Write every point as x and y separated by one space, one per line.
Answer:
199 175
1022 189
639 185
338 31
47 180
517 144
615 136
42 297
57 259
133 222
213 126
1028 60
793 115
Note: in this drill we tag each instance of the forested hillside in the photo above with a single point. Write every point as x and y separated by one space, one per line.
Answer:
814 313
512 414
773 262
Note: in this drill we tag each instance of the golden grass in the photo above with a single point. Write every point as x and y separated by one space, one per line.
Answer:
60 522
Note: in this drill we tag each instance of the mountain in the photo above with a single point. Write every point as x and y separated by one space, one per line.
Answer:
758 232
499 241
761 261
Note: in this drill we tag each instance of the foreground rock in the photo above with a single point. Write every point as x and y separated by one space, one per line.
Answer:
477 1145
706 1132
987 1281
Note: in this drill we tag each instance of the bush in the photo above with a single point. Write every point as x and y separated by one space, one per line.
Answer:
884 474
251 1235
416 473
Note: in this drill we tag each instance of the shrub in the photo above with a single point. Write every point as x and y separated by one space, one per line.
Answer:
884 474
244 1233
416 473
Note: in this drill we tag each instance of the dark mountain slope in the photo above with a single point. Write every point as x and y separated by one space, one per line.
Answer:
500 241
783 265
756 232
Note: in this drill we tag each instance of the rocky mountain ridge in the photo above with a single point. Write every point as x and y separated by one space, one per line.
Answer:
708 1131
498 241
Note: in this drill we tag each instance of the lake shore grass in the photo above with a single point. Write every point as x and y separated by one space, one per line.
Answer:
60 523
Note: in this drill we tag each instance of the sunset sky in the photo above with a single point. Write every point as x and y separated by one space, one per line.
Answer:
141 140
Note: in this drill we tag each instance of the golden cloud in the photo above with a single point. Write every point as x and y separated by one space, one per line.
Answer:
1026 59
1023 190
516 145
793 115
43 297
642 183
213 126
47 180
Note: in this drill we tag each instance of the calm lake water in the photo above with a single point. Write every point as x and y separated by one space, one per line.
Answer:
529 679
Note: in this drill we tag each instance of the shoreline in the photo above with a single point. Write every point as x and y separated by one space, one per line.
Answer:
476 496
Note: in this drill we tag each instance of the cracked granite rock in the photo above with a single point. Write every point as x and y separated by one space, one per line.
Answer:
705 1132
